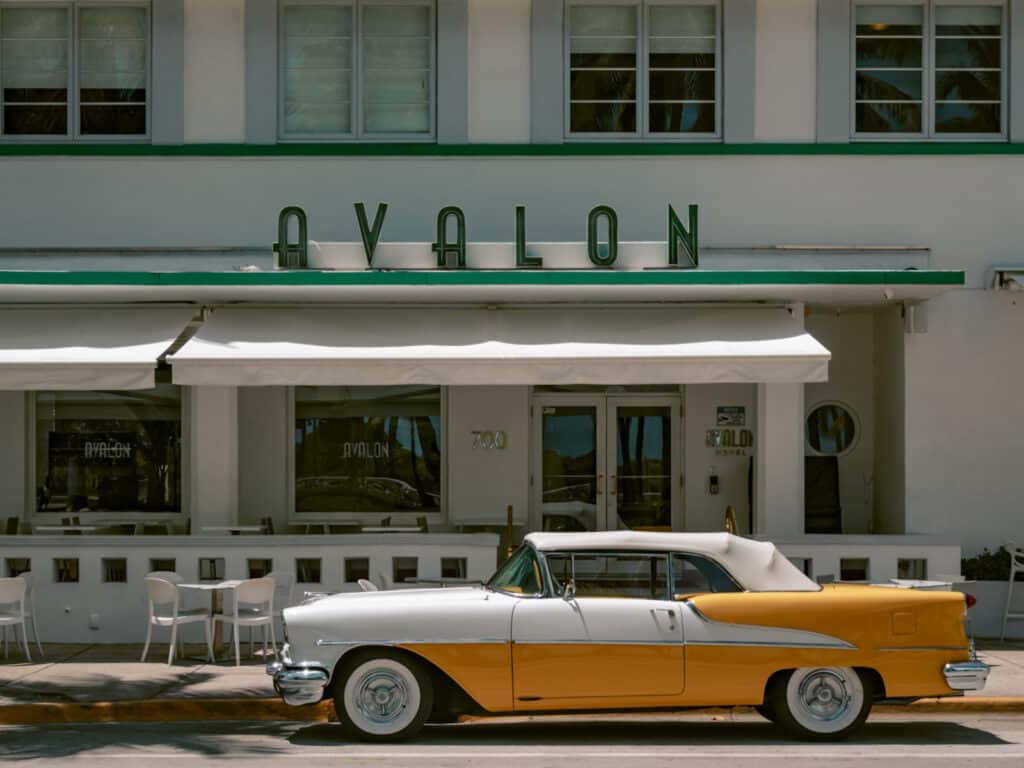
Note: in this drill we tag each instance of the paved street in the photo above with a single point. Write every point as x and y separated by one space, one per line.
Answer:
649 741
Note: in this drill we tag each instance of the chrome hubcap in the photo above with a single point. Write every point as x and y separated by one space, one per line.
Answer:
823 696
381 696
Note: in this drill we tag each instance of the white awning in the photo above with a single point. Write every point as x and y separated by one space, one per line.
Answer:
108 348
279 346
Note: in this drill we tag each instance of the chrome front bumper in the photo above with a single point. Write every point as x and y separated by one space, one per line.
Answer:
966 675
298 685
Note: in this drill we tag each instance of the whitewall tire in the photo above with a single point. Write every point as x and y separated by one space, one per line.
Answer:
821 703
383 697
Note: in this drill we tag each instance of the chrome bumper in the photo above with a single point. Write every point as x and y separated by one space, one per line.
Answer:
298 686
966 675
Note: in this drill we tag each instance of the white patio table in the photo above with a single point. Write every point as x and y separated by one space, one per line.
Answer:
216 589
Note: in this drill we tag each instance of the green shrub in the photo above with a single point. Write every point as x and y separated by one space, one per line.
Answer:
988 566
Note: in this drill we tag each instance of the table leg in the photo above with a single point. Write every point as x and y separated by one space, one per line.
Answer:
217 606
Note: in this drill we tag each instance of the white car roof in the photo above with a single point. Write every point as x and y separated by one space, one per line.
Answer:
757 565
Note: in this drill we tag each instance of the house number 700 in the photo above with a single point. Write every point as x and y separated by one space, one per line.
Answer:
487 441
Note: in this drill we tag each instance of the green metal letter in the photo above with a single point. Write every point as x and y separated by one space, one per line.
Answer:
292 255
594 249
522 260
370 236
441 246
679 235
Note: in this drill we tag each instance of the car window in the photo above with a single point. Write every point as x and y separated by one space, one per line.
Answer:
611 574
520 574
693 574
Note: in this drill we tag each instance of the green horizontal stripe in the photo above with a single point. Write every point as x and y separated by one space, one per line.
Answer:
490 277
596 149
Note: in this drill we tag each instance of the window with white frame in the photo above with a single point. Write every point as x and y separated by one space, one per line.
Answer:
643 69
74 70
357 69
933 69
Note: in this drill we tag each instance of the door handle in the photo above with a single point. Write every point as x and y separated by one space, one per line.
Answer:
600 483
614 485
671 616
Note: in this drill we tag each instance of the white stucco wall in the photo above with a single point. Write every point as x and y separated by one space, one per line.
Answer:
499 71
964 415
214 71
850 338
786 70
890 422
705 511
745 200
264 439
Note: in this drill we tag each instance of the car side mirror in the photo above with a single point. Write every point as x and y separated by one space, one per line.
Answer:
569 590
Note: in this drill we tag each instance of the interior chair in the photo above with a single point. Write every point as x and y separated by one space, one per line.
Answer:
1016 566
12 611
30 609
165 611
253 606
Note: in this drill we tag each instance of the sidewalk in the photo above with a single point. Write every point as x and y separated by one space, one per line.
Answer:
107 682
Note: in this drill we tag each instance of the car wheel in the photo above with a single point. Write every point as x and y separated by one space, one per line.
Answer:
821 703
384 697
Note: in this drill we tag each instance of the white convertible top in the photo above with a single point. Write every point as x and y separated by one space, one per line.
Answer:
757 565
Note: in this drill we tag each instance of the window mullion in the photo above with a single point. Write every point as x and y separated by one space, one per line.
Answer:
74 126
643 71
357 70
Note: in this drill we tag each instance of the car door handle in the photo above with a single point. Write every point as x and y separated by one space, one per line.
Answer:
671 616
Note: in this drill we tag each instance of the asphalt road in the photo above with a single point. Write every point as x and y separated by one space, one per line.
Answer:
651 742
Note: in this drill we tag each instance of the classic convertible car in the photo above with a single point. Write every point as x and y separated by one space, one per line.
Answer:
627 621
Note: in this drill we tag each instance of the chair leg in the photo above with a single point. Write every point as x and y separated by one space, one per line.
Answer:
251 628
149 635
238 656
174 637
273 638
35 634
1009 602
209 640
24 640
5 641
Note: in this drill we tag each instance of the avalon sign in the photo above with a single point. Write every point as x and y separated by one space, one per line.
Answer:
451 251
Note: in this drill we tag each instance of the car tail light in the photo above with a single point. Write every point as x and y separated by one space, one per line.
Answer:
971 600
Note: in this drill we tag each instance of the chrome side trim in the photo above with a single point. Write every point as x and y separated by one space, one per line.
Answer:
584 641
418 641
928 648
839 645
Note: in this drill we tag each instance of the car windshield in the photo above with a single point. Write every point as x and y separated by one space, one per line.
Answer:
520 574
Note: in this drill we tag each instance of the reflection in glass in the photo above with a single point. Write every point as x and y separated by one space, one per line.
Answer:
34 50
109 451
968 69
367 449
602 68
569 473
831 429
889 50
644 467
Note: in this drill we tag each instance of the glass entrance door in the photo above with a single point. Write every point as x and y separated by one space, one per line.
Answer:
606 463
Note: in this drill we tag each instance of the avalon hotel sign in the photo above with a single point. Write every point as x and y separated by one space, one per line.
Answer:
450 247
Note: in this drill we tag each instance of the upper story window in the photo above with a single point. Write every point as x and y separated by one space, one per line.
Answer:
357 69
644 69
74 70
930 70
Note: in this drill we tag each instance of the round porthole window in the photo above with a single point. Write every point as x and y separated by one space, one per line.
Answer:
831 429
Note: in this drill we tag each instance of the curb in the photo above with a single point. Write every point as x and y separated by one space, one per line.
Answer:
272 709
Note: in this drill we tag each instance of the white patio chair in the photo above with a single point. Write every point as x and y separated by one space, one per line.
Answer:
253 607
1016 566
367 586
170 576
165 611
12 611
30 610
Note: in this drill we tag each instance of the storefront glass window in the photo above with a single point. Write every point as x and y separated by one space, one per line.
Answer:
109 451
831 429
368 450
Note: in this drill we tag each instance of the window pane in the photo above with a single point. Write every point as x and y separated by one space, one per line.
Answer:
682 52
889 118
889 85
318 69
603 118
676 118
397 68
965 52
602 78
889 52
967 118
968 20
620 575
682 86
695 574
368 449
889 20
967 86
682 20
98 451
34 49
113 53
